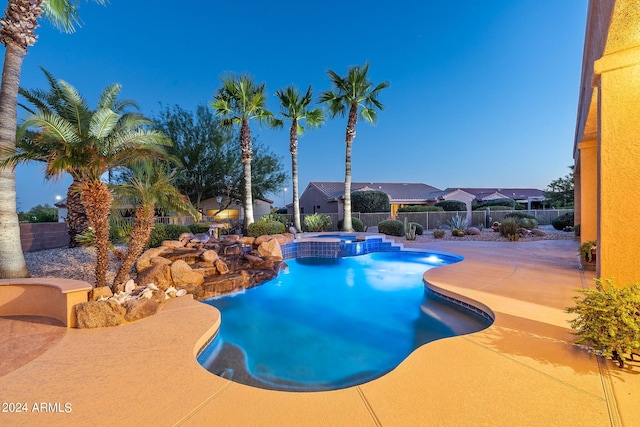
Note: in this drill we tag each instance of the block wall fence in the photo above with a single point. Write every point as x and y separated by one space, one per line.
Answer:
44 235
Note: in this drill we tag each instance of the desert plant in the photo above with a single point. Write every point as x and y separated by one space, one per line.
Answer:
355 223
452 205
458 223
457 233
563 221
391 227
317 222
608 319
503 203
419 228
438 234
409 230
119 229
509 228
261 228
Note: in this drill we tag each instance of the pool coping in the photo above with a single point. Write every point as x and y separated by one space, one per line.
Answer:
522 370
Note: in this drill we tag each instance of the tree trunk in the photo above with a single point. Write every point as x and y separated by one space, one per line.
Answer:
293 149
12 262
350 136
76 215
97 198
140 234
245 146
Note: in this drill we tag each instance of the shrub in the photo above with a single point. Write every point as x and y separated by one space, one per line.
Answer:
392 227
261 228
162 232
199 227
452 205
355 222
494 208
566 220
317 222
370 201
524 219
419 228
420 208
508 228
509 203
608 319
277 217
438 234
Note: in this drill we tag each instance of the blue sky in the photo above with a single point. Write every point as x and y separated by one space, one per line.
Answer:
483 93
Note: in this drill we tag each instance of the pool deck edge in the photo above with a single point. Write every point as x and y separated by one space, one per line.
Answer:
522 370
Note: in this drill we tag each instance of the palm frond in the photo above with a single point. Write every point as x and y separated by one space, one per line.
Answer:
102 123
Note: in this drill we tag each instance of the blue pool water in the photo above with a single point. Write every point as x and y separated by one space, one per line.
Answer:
332 323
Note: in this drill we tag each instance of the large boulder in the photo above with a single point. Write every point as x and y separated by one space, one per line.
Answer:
99 314
140 308
183 274
186 238
209 256
270 248
159 274
172 244
472 231
100 292
221 266
538 232
144 261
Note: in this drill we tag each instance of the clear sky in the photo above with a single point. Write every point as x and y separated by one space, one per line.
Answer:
483 93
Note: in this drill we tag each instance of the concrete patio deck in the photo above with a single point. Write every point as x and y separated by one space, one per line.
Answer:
521 371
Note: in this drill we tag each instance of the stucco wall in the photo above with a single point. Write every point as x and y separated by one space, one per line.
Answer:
44 235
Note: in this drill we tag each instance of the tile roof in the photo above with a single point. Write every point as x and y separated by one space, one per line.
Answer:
514 193
395 190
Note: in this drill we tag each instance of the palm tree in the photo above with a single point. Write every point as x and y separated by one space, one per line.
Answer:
148 185
17 33
88 143
295 107
353 93
239 100
54 102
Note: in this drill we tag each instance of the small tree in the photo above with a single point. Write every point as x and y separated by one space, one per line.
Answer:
608 319
559 192
370 201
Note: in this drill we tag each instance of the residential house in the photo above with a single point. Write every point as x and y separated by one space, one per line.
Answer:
607 147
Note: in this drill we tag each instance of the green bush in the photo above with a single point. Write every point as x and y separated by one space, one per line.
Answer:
199 227
452 205
566 220
370 201
419 228
508 228
524 219
494 208
261 228
275 217
355 223
162 232
608 319
420 208
316 223
438 234
392 227
509 203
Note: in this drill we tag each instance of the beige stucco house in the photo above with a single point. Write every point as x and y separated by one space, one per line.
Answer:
607 141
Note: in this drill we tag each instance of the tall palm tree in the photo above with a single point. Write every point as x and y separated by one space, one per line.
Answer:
239 100
352 94
295 107
88 143
148 185
17 33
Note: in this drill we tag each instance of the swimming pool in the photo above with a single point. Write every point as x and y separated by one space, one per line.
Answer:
330 323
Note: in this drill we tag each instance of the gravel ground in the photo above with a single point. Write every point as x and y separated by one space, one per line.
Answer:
79 263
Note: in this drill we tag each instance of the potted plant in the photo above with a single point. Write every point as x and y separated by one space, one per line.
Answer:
608 319
587 254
